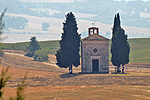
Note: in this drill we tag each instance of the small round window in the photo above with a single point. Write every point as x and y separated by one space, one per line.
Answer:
95 50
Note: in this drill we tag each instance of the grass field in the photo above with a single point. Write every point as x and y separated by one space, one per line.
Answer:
52 45
86 93
139 48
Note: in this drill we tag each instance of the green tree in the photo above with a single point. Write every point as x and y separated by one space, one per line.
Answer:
68 54
120 48
1 24
33 46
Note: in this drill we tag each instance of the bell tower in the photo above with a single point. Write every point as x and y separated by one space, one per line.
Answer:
93 30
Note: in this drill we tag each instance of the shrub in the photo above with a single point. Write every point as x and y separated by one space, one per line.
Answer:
3 79
41 55
1 53
29 54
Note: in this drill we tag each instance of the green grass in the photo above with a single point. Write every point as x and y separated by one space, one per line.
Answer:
139 48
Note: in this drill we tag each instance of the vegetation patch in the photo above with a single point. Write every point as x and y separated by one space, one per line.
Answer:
41 55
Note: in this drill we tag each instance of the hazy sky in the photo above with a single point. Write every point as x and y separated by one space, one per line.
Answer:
66 0
132 0
50 0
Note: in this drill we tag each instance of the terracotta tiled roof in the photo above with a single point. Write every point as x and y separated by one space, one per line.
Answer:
95 37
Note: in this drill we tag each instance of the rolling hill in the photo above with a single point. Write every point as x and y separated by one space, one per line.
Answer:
34 28
139 48
134 17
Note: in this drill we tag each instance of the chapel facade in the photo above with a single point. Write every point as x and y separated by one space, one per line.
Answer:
94 52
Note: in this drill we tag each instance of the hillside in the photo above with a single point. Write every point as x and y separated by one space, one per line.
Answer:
52 45
24 18
140 48
34 27
134 12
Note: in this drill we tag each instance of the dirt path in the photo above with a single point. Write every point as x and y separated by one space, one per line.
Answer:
49 75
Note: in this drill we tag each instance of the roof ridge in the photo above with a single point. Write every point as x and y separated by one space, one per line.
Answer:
86 38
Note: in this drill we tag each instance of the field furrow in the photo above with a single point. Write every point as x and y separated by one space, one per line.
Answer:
60 76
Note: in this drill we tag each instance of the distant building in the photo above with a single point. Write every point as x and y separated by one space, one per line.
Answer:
95 52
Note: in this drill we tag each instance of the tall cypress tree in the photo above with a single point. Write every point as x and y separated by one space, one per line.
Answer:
120 47
68 54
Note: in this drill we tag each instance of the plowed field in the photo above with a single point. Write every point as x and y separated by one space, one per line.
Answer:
42 76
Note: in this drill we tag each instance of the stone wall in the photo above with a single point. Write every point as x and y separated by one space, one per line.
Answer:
87 54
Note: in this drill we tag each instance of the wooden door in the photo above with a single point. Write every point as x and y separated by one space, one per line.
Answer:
95 64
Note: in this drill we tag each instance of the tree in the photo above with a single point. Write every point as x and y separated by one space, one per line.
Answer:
68 54
33 46
1 27
120 48
45 26
1 23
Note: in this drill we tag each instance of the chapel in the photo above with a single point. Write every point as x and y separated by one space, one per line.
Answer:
94 52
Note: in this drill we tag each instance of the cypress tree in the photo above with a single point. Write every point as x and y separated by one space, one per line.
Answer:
116 23
68 54
120 47
124 48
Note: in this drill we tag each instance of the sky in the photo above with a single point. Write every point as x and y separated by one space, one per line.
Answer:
67 0
132 0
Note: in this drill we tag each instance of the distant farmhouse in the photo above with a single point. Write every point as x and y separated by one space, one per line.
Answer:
95 52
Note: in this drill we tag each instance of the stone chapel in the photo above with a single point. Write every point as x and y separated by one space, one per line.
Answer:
94 52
